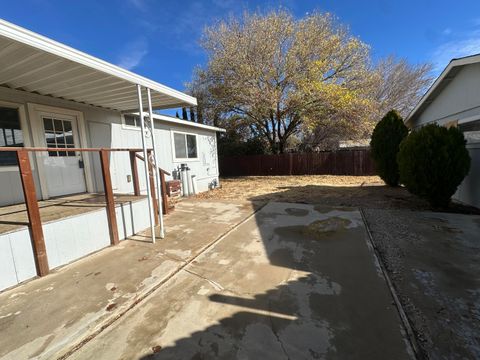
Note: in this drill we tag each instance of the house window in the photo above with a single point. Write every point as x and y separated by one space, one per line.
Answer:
471 131
59 134
133 120
185 145
10 134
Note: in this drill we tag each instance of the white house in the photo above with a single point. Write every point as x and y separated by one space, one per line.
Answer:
53 96
454 100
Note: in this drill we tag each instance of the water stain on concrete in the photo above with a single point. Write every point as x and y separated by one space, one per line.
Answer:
296 212
317 230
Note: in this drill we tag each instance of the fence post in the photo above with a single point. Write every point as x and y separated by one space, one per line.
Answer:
290 163
133 165
109 200
35 222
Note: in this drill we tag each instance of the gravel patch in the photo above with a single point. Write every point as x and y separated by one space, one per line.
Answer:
433 261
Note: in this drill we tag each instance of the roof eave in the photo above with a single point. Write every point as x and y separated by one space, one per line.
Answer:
444 76
43 43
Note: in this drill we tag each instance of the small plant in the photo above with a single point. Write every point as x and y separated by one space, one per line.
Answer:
386 138
433 161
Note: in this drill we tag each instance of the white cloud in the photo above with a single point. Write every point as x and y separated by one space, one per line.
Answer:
139 4
133 53
447 31
465 45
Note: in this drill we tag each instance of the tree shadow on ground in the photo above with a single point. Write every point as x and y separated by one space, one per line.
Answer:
363 196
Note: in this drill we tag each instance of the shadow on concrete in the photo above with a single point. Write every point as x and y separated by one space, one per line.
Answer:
365 196
331 303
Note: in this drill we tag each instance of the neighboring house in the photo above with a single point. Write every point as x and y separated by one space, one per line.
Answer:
54 96
454 100
354 144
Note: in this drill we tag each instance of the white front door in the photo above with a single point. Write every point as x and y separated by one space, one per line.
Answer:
64 171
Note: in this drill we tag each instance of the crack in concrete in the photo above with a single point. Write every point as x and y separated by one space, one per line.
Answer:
275 331
147 294
216 285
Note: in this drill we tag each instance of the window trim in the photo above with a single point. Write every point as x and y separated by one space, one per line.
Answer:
182 160
130 127
468 120
25 131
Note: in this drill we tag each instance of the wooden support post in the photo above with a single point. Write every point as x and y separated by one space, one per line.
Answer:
109 200
151 176
164 192
35 223
133 164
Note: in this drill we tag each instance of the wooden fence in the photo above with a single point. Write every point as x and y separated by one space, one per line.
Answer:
341 162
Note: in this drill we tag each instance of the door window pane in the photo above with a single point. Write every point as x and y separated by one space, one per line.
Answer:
48 123
180 146
59 134
10 134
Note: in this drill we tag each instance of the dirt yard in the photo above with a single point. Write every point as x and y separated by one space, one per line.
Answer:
432 255
356 191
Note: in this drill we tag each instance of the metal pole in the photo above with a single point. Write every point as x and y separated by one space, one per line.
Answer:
145 163
155 159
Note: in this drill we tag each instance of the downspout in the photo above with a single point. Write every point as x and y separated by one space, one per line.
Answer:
145 163
155 159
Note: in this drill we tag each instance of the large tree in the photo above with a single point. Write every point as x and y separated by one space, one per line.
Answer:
401 85
284 76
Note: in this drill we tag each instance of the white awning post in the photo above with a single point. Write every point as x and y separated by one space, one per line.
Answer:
145 162
156 165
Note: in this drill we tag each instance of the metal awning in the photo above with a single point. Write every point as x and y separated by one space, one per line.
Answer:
34 63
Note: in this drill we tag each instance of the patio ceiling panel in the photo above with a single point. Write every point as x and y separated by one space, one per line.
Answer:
34 63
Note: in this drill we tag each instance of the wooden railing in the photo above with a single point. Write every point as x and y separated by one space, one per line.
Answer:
31 202
163 183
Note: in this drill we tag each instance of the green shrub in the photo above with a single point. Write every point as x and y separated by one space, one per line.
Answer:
386 138
433 161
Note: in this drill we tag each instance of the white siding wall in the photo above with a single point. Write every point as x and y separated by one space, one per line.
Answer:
460 99
104 128
205 167
64 246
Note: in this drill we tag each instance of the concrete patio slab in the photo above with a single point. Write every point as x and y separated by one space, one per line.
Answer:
293 282
44 318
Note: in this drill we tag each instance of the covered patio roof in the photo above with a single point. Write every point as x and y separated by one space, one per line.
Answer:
34 63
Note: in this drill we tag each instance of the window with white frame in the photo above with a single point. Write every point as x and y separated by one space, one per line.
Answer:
471 131
185 145
11 134
131 120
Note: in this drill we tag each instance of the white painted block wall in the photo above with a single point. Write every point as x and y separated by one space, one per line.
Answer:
67 240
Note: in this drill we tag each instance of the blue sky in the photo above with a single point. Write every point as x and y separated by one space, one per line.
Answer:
159 39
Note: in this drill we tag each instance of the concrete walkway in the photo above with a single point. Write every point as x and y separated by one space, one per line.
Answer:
46 317
292 282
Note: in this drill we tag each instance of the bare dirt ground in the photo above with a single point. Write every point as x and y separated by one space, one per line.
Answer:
431 255
356 191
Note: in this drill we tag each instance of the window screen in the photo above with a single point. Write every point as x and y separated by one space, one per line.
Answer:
180 146
10 134
59 134
192 146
